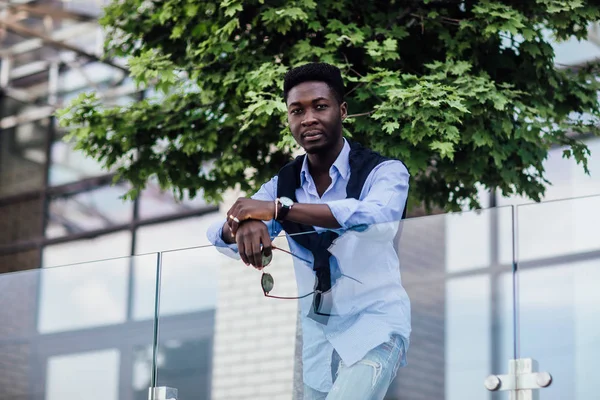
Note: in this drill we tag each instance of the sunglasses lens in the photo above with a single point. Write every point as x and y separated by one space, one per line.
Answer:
267 282
266 260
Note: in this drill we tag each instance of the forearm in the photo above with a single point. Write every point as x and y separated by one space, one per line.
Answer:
312 214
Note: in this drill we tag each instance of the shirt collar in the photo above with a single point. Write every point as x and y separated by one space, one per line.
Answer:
341 164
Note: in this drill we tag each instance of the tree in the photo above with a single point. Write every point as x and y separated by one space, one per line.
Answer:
464 92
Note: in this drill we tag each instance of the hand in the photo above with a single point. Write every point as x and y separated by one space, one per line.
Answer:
244 209
250 236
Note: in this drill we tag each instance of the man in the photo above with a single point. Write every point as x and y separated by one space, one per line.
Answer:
357 324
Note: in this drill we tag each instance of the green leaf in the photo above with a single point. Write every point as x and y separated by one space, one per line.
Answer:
391 126
445 149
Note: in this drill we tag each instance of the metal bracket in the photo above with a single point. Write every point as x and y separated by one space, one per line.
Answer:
521 380
162 393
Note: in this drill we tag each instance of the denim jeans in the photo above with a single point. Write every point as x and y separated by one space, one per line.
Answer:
368 379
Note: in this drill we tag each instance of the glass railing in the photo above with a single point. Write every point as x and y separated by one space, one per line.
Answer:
457 270
78 331
484 287
559 299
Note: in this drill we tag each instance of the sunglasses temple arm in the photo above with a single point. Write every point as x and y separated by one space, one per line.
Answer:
308 262
292 254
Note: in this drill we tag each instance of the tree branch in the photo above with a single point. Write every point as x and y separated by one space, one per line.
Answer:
361 114
449 21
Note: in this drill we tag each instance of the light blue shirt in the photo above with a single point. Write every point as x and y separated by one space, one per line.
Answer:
373 305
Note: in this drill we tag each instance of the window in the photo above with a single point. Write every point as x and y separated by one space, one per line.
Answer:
92 210
23 158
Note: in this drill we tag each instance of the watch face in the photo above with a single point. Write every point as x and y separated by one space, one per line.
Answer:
286 201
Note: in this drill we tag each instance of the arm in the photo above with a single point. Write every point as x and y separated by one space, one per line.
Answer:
386 193
313 214
220 235
383 199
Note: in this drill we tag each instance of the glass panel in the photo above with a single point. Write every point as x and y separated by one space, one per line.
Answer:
460 305
559 302
190 281
102 247
91 210
455 270
67 330
182 233
70 375
23 158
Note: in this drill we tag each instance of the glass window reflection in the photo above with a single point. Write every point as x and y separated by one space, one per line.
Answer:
189 277
89 376
96 209
23 157
155 203
567 178
69 165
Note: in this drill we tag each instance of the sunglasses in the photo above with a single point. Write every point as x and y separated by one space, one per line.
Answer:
267 283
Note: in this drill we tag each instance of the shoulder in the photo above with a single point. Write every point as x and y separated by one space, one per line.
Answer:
376 160
390 168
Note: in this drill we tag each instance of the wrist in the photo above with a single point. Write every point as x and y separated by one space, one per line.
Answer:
284 205
226 234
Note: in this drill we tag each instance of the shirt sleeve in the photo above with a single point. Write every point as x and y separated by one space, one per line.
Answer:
383 198
267 192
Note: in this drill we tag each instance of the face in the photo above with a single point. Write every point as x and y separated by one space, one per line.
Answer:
315 117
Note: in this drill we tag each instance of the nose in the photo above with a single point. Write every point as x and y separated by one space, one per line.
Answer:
308 119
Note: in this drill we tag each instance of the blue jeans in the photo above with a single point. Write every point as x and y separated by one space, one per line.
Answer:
368 379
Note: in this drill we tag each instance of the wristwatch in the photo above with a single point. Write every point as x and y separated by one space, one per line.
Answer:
286 205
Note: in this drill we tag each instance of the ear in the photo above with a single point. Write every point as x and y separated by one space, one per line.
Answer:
344 110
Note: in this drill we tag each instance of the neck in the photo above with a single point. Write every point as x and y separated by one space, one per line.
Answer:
320 163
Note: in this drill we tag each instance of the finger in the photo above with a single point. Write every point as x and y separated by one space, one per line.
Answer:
242 250
229 222
232 212
249 251
266 243
234 225
256 252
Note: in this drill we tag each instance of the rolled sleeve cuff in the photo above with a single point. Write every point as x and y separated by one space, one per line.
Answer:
215 236
342 210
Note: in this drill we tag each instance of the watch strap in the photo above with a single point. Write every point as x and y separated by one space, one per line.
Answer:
282 211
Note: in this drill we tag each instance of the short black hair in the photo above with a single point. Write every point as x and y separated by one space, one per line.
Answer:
320 72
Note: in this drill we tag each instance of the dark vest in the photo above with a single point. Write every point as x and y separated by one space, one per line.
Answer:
362 161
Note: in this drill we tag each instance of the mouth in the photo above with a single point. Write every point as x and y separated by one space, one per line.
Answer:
312 136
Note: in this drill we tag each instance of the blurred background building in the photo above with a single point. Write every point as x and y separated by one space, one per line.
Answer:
91 325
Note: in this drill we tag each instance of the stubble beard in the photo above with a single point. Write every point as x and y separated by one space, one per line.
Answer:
328 146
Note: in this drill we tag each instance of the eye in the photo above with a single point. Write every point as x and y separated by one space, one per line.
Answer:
321 106
296 111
